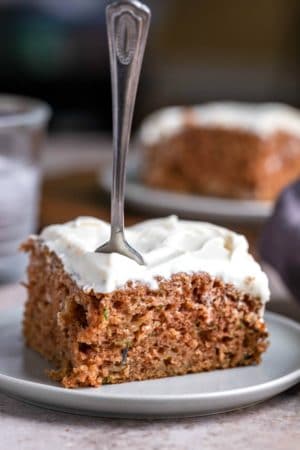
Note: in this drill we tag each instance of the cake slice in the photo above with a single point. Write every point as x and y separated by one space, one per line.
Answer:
233 150
196 305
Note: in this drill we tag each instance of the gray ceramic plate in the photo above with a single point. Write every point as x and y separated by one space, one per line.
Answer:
160 202
22 375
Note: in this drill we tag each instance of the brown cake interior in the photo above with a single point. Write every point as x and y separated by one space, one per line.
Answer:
223 162
192 323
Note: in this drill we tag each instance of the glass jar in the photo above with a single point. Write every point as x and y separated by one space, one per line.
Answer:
23 124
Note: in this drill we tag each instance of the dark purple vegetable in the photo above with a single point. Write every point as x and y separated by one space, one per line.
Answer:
280 241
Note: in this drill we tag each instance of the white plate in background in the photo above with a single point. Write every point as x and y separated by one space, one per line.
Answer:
162 202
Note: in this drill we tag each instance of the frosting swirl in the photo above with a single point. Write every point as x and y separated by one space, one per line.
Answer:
168 245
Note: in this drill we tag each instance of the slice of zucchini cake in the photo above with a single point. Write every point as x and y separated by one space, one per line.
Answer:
196 305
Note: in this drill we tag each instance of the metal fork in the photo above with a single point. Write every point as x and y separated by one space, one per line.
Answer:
127 27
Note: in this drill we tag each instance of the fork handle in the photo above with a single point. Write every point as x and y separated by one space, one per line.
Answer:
127 27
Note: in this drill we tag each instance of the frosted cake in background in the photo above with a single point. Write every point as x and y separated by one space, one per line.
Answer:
234 150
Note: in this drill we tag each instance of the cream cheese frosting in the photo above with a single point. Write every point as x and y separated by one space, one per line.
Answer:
168 246
261 119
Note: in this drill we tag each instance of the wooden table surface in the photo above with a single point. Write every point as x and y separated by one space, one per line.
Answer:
70 186
65 197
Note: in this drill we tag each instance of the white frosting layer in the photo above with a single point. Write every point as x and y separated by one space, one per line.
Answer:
261 119
168 245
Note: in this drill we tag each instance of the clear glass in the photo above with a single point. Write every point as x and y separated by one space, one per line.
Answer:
23 124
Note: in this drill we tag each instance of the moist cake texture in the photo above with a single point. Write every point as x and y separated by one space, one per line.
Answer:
196 305
225 149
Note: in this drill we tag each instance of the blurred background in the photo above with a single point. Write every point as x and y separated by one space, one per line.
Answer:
198 50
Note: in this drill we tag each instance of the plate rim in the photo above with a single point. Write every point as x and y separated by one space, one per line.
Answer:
290 378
